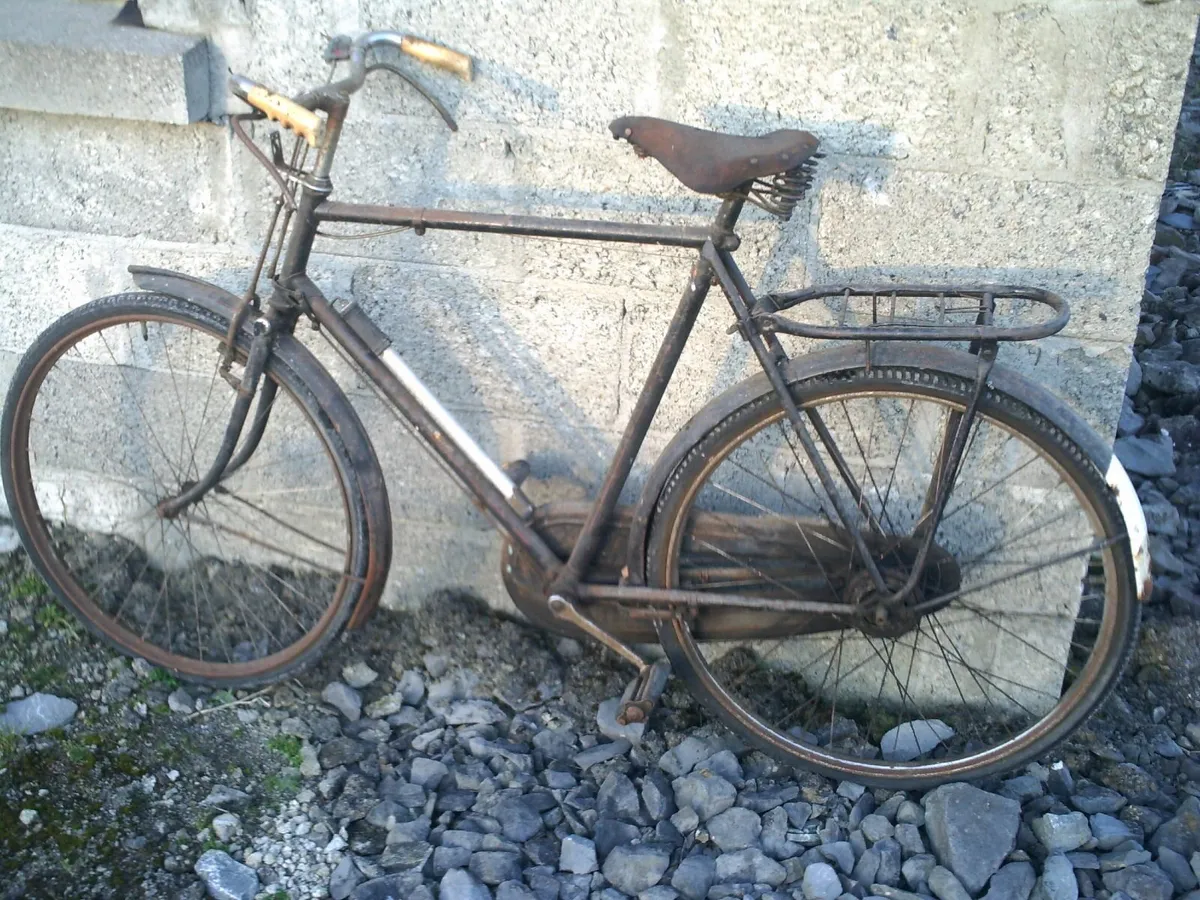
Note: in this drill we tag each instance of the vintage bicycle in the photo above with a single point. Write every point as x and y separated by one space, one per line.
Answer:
892 560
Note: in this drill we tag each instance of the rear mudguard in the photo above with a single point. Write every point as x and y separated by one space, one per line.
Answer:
894 353
330 396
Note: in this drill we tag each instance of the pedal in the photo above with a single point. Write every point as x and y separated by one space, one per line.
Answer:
642 693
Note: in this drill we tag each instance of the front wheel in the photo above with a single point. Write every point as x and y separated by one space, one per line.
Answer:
120 405
1017 631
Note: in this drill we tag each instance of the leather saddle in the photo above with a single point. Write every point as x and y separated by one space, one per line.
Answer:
711 162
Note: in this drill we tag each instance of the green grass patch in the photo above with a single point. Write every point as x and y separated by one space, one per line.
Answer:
28 586
163 677
288 746
10 742
41 677
281 787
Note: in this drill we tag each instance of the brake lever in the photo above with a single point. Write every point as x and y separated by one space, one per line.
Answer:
416 85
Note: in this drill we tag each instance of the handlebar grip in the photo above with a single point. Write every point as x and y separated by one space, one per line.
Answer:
439 56
278 108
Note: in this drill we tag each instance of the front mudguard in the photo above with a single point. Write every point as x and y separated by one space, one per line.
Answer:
329 395
931 357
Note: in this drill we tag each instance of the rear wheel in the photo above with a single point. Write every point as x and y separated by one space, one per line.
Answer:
120 405
1018 630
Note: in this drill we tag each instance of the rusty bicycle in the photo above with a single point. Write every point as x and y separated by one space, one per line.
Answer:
895 560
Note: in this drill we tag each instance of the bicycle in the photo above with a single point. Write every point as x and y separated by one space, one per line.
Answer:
889 561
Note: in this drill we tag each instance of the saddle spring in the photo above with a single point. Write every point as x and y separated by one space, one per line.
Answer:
780 193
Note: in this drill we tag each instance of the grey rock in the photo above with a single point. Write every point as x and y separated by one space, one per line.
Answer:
1123 857
723 763
226 878
875 828
685 821
749 866
577 855
518 820
658 796
345 878
447 858
610 833
37 713
411 687
867 866
606 722
180 701
514 890
555 743
894 893
909 740
850 790
945 886
428 773
1145 881
1177 869
1133 381
773 837
659 892
1014 881
840 853
9 541
474 712
682 758
1109 831
415 831
695 876
358 674
735 829
387 705
224 797
1177 377
1058 879
1061 834
706 793
634 867
618 798
1092 798
459 884
1022 788
226 826
1130 422
909 813
601 753
768 798
495 866
399 886
798 813
889 861
1151 455
916 871
471 840
435 664
970 831
409 856
1131 781
1182 831
820 882
909 838
341 751
344 699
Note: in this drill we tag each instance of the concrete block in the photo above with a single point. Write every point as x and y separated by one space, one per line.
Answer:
521 349
891 84
114 177
67 58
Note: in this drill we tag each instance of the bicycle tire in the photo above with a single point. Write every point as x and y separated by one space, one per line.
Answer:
1116 631
49 540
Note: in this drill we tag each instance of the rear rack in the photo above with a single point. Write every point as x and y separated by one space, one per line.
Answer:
917 312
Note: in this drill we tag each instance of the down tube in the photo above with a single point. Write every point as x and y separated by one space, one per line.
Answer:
435 435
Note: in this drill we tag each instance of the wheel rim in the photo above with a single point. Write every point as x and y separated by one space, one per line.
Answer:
956 755
228 574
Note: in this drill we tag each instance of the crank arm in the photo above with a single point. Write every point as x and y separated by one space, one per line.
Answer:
567 611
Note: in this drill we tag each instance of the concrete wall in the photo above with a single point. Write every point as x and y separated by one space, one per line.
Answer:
967 140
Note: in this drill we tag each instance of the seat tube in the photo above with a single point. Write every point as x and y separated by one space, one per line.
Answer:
596 526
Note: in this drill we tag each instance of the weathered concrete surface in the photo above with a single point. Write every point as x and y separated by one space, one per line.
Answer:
68 58
976 141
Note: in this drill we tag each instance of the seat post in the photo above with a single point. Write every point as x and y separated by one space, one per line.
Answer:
727 215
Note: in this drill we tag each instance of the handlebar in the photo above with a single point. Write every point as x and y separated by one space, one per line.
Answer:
297 113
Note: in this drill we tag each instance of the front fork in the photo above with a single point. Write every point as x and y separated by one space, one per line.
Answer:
225 463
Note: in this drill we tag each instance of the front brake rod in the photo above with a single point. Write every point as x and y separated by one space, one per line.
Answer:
419 88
